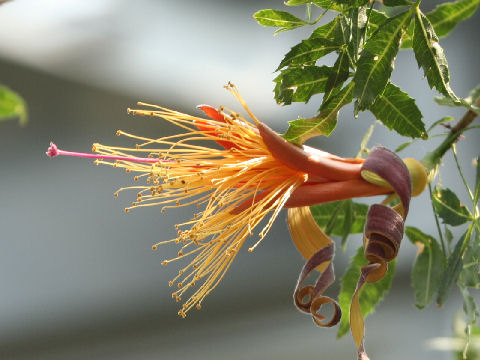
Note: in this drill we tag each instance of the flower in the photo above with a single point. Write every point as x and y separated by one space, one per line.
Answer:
249 176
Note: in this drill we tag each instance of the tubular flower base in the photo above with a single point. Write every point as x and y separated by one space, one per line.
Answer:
237 172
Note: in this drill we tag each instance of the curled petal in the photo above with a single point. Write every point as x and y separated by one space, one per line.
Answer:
306 234
384 228
383 231
309 298
383 164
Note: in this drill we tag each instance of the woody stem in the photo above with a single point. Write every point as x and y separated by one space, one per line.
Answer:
432 159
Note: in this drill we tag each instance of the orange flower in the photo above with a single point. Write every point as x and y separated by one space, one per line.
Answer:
252 175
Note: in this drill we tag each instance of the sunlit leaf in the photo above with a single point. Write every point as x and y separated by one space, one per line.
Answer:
468 102
339 73
308 52
323 124
396 2
453 269
430 56
376 61
398 111
448 207
445 17
276 18
326 31
371 295
300 84
376 18
352 3
427 270
326 4
358 21
476 192
12 106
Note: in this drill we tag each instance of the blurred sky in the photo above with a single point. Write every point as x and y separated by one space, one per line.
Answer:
79 279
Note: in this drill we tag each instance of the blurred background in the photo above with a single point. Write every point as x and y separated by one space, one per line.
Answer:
78 277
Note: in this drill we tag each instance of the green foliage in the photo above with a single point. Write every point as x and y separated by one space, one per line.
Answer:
428 267
375 64
322 124
341 218
476 193
468 102
445 17
448 207
300 84
396 2
281 19
453 269
470 275
398 111
12 106
308 52
371 295
430 56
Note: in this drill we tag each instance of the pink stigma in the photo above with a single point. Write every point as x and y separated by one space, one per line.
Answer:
54 151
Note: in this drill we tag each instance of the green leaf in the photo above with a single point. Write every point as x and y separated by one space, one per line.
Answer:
349 214
468 102
12 106
342 32
308 52
371 295
476 192
427 270
300 84
376 18
398 111
338 74
407 39
358 21
326 4
396 2
430 57
352 3
276 18
448 207
404 145
322 124
440 121
453 269
323 214
445 17
469 306
326 31
376 61
448 236
470 275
